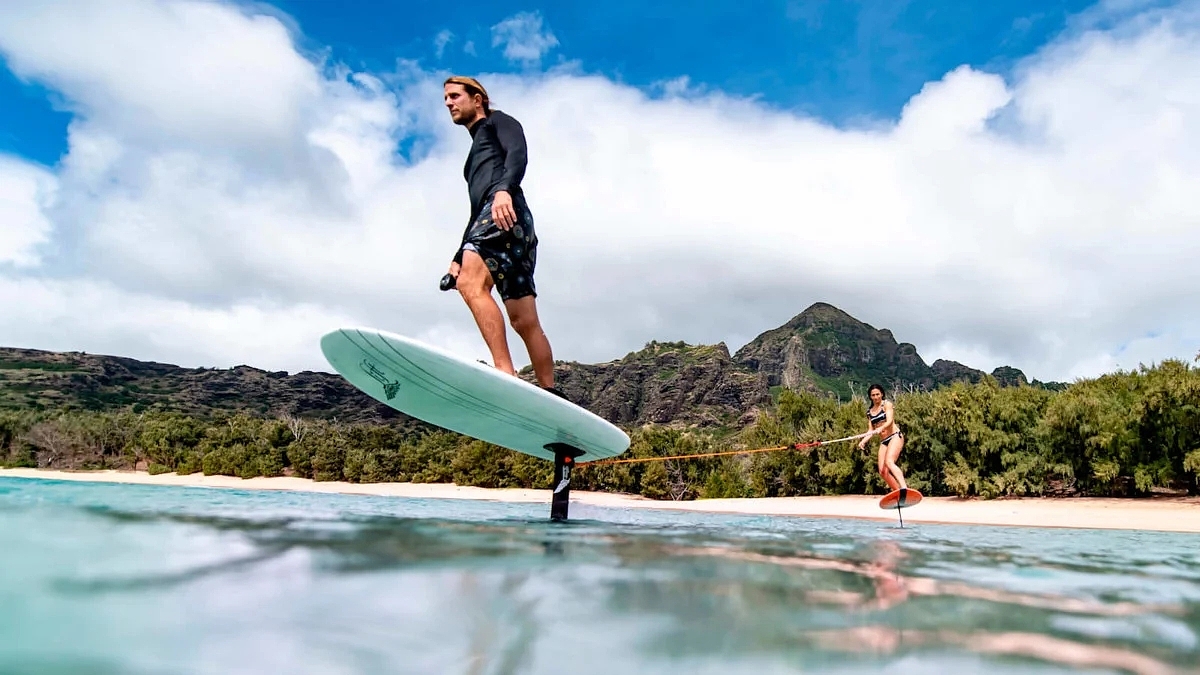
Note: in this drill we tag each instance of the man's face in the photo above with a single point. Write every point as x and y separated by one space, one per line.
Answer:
462 106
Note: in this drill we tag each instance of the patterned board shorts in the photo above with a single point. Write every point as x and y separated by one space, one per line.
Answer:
511 256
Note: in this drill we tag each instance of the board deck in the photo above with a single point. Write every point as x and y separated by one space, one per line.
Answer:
471 398
892 499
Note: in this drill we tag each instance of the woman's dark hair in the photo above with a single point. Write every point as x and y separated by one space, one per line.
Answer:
882 393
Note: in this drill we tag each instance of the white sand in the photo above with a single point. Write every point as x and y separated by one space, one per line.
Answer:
1176 514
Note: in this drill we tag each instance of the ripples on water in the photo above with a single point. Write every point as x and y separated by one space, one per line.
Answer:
104 578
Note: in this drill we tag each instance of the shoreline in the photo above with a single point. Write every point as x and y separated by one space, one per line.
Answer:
1159 514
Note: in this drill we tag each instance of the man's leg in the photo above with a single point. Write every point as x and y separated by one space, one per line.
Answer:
475 286
522 312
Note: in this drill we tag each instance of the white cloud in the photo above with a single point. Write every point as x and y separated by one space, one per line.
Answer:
90 316
440 41
523 38
181 72
24 191
226 206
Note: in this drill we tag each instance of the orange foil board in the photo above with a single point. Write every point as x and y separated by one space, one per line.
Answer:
898 499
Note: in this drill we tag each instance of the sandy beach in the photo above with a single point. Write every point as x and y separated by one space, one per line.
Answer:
1164 514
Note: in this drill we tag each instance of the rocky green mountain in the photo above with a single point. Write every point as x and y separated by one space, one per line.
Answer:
826 349
1009 377
822 349
948 371
40 380
667 382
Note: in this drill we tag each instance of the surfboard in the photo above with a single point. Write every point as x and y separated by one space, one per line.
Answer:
471 398
899 499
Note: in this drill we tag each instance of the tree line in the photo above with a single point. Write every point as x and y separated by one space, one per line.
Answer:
1129 433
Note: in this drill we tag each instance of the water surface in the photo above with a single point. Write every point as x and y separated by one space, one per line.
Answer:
110 578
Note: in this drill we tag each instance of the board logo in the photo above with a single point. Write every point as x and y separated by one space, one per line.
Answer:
566 480
389 388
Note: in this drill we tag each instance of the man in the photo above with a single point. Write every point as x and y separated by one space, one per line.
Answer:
499 246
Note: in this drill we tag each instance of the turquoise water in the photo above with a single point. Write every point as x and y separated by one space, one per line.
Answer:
107 578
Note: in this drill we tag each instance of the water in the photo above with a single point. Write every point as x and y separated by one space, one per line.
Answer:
108 578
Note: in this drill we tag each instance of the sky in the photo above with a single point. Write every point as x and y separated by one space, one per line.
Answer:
220 183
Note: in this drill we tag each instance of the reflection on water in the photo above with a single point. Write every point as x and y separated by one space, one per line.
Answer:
135 579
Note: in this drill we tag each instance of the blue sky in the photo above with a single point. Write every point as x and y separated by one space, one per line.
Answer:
841 61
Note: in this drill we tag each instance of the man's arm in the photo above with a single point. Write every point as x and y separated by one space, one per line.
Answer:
516 153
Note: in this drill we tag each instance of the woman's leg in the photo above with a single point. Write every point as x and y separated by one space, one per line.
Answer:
883 466
890 454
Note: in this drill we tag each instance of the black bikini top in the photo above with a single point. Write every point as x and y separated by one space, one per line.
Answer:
878 417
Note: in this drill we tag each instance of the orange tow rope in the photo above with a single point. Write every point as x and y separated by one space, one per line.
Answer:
793 446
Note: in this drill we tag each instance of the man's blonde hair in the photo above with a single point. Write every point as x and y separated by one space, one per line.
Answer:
472 86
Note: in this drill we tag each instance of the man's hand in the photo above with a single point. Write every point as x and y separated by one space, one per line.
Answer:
451 279
502 210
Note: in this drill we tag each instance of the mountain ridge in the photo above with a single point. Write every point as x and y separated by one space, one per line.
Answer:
822 349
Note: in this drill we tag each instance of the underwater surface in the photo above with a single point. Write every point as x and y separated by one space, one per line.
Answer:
109 578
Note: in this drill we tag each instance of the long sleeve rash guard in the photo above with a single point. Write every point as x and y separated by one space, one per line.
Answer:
497 160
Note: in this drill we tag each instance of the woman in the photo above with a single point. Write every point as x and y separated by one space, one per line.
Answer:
881 418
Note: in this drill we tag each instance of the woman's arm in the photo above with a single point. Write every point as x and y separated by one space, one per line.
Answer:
870 432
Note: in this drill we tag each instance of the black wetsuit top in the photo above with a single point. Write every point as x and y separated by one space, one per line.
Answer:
496 162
